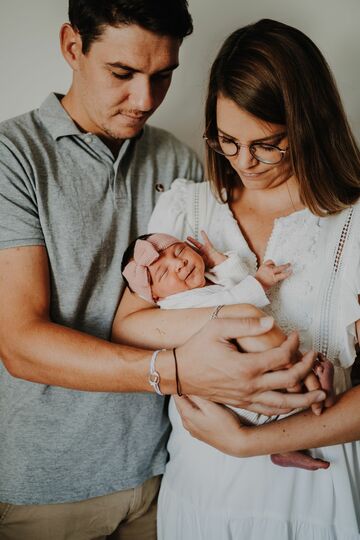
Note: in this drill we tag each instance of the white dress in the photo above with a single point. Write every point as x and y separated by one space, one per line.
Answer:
207 495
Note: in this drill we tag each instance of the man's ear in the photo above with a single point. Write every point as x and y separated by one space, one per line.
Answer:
71 45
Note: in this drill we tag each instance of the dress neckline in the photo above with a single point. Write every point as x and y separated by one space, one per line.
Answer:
303 214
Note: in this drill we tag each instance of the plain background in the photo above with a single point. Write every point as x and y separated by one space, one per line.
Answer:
31 65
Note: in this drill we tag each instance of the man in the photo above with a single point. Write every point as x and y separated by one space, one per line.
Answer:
83 433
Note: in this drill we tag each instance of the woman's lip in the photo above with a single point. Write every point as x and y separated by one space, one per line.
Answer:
244 173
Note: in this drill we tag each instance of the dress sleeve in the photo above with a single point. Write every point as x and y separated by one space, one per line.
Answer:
350 307
171 214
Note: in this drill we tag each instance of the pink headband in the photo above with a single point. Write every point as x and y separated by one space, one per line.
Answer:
145 253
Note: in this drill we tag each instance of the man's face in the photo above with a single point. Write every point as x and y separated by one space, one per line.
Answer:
179 268
122 80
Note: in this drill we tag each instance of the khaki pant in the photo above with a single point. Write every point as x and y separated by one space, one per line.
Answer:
125 515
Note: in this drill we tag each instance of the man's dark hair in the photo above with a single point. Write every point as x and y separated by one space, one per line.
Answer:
163 17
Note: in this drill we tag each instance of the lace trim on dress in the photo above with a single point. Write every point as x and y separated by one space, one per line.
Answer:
325 338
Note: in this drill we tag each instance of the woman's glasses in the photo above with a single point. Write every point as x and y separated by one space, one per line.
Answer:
263 152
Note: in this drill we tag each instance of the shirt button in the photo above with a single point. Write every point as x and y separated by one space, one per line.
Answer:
88 139
159 187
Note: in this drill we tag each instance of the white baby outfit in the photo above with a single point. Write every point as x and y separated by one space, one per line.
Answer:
207 495
233 285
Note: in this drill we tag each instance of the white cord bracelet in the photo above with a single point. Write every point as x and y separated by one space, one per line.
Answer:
154 376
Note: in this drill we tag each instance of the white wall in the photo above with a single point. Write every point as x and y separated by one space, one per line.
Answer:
31 65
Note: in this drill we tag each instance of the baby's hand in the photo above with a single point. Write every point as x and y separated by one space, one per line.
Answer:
211 256
268 273
321 378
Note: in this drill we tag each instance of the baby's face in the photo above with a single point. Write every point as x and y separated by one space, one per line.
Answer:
179 268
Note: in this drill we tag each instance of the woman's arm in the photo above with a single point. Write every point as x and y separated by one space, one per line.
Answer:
140 324
220 427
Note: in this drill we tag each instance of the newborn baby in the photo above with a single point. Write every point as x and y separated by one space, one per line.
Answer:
162 269
173 274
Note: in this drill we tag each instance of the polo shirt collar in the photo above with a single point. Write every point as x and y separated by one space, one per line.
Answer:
56 119
58 122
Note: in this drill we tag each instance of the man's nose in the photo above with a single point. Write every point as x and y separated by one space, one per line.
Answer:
142 95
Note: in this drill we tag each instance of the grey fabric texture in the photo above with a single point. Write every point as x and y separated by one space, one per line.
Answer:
63 189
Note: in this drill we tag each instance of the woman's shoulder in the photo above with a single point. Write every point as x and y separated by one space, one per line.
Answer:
181 206
183 192
186 186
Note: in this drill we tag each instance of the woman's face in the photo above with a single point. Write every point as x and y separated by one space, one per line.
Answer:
236 124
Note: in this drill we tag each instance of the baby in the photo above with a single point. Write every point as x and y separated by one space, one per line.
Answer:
173 274
162 269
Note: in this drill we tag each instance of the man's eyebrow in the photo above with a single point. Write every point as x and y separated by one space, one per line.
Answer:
119 65
279 135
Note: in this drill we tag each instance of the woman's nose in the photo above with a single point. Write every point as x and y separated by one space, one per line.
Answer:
244 158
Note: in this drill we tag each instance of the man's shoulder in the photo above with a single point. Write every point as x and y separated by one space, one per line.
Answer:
21 128
163 140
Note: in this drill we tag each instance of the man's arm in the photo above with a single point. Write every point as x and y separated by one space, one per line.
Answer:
209 363
34 348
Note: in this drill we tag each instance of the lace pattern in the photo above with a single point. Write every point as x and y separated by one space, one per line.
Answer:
324 338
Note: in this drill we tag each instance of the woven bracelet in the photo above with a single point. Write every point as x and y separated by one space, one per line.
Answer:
178 385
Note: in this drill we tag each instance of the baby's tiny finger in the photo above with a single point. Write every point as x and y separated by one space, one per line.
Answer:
282 268
282 275
195 242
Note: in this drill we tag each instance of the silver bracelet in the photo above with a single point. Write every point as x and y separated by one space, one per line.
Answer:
215 313
154 376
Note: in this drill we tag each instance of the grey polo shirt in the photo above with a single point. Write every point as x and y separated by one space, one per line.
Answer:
64 189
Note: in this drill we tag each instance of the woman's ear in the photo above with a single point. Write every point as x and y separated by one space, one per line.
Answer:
71 45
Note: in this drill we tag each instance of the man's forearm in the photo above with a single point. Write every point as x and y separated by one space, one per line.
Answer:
51 354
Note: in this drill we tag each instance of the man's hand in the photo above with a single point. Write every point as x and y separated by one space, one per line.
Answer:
210 366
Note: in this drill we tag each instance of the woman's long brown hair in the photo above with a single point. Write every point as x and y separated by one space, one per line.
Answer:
277 74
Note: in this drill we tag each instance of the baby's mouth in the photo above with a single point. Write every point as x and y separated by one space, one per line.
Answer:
189 273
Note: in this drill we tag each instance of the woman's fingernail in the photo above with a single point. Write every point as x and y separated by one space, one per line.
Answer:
266 322
320 397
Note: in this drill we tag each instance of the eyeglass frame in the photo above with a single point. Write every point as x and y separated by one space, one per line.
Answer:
239 145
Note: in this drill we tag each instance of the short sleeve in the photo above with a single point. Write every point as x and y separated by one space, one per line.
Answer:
350 296
172 213
19 218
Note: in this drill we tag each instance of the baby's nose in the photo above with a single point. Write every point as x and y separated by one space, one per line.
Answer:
180 264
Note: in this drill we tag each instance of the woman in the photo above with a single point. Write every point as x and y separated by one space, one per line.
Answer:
285 171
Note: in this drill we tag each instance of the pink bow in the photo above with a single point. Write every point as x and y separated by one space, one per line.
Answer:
136 271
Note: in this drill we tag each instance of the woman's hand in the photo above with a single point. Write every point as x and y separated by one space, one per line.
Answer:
213 424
